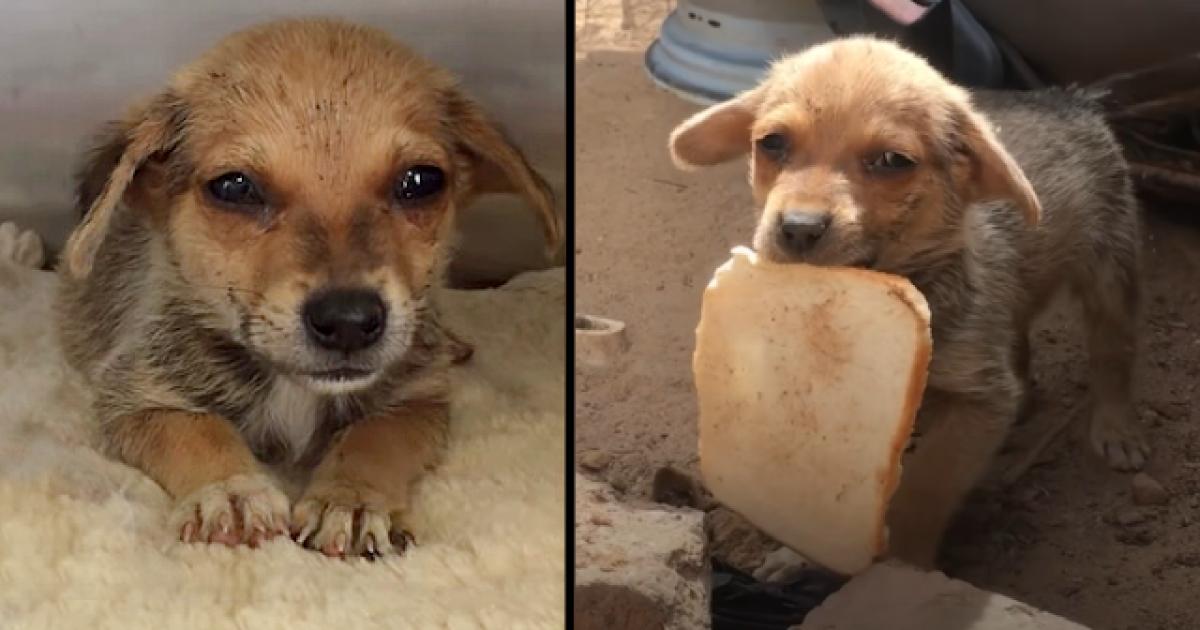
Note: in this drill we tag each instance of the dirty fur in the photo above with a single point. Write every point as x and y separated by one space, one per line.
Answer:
1005 199
184 313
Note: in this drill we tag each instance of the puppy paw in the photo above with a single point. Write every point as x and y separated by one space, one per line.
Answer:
23 247
241 510
1120 444
781 566
341 520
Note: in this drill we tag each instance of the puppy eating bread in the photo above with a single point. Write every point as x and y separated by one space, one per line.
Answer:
250 281
787 438
989 203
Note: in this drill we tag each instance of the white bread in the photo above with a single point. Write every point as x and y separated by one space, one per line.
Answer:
809 380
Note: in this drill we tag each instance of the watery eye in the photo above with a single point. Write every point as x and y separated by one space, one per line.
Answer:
774 145
419 182
890 161
235 189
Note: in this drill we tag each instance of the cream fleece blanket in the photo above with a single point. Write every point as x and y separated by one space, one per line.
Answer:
83 542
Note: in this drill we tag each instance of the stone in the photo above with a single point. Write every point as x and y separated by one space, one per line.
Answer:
1147 490
594 460
898 597
638 567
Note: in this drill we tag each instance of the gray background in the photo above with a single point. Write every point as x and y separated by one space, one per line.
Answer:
66 66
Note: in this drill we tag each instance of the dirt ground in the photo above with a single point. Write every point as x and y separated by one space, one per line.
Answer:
1067 537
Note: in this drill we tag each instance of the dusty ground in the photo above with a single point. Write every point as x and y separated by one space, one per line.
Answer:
1067 537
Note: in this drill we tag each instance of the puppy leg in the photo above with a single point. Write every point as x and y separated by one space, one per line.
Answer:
1021 362
1109 308
781 566
201 461
952 455
359 492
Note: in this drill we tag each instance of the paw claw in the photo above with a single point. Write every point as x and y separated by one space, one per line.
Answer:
231 512
1118 443
781 565
188 533
401 540
341 521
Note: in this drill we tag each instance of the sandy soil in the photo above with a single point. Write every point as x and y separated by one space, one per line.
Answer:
1067 537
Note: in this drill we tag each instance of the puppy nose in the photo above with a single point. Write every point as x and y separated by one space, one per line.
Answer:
800 230
345 319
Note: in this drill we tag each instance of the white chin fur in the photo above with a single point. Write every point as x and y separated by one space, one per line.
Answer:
337 386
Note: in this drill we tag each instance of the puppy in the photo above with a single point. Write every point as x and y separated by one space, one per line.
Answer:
250 283
863 155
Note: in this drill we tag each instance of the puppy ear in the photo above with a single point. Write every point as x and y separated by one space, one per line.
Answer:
995 174
498 166
717 134
150 129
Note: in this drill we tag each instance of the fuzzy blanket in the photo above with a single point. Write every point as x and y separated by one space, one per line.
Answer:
84 544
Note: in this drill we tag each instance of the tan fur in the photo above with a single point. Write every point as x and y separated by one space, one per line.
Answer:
182 451
357 472
183 311
1010 198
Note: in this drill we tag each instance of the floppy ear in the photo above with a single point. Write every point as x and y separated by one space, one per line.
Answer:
149 129
995 175
717 134
498 166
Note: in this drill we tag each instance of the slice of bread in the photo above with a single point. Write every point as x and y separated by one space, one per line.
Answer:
809 379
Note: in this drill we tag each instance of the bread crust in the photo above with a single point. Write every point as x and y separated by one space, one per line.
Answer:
899 290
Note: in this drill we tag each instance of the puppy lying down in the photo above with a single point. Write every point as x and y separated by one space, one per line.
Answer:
249 283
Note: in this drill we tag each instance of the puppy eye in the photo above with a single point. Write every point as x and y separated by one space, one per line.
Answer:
419 182
235 189
890 161
774 145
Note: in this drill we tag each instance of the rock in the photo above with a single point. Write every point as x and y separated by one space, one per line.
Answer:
594 460
638 567
898 597
1147 490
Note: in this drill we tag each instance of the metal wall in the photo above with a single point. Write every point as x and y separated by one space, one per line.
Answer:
66 66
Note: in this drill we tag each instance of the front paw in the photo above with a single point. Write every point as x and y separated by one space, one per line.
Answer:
781 566
240 510
340 519
1115 439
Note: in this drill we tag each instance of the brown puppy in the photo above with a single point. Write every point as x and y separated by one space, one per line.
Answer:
863 155
250 282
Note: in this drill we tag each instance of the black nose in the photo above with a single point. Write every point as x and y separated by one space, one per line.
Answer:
345 319
799 231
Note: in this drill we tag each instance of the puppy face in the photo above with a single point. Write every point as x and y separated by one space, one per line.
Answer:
861 155
304 177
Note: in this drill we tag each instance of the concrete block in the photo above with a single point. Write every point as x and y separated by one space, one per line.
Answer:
638 567
898 597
